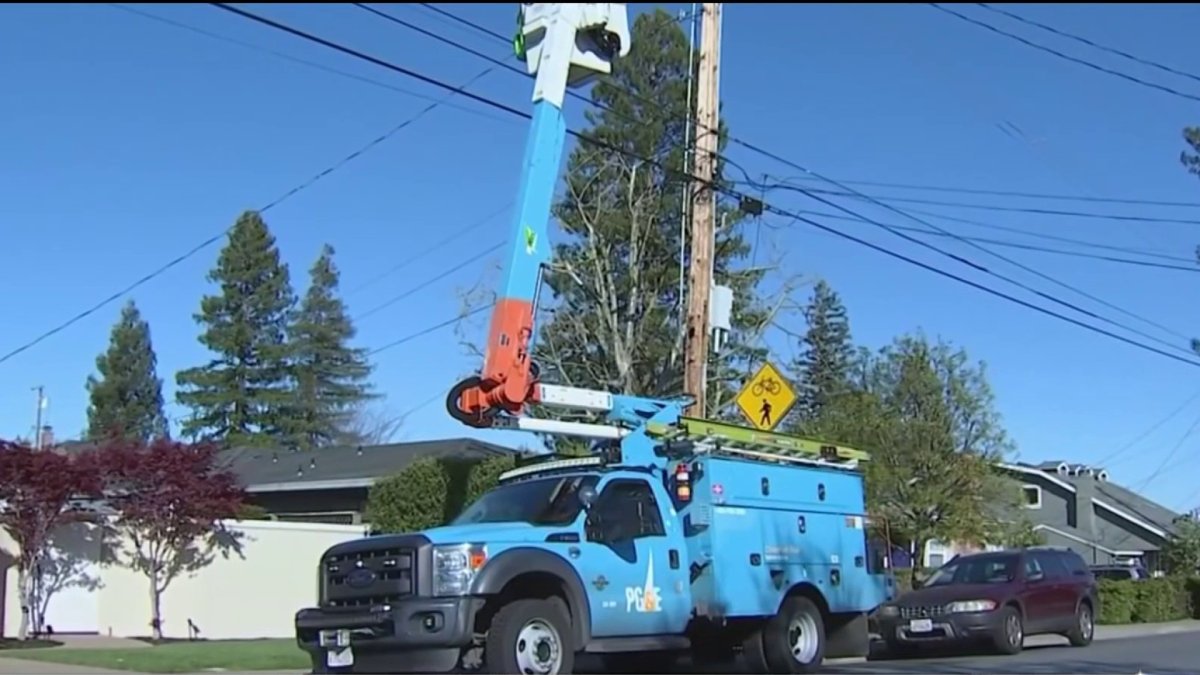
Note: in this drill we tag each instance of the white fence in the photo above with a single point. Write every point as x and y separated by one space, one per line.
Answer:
251 590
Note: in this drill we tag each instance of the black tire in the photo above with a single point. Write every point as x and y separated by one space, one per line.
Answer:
505 639
651 663
753 653
1010 633
1084 629
794 639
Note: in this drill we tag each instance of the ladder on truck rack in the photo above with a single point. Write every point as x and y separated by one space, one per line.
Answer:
721 438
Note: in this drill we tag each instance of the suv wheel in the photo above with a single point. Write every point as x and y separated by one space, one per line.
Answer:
1010 633
1084 629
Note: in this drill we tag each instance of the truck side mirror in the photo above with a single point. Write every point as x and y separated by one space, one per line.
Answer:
587 497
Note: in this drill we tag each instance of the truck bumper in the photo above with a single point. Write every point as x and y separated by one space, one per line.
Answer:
418 635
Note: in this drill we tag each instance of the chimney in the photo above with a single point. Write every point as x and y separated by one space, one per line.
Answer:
46 437
1085 509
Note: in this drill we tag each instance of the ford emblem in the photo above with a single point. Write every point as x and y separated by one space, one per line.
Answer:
360 578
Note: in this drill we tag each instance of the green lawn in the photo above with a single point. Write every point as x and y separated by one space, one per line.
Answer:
182 657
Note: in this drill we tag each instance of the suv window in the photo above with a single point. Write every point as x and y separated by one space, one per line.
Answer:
1074 564
1052 565
627 510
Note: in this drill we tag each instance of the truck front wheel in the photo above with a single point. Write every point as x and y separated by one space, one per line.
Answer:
530 637
794 639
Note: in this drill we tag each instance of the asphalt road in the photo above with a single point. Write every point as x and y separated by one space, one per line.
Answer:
1152 655
1176 654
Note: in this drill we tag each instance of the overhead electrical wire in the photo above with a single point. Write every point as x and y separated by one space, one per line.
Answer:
176 261
986 270
726 190
1017 209
1091 43
849 191
299 61
1064 56
1190 268
1017 193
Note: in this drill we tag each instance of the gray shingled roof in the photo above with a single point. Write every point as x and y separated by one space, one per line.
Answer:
259 466
1117 496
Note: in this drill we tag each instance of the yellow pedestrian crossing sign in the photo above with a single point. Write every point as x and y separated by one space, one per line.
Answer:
766 398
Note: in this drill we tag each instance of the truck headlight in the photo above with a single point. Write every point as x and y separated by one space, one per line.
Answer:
965 606
455 567
889 610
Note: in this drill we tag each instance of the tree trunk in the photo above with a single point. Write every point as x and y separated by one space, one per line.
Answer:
28 606
156 632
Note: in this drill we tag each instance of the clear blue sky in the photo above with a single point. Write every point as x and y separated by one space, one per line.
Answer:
126 142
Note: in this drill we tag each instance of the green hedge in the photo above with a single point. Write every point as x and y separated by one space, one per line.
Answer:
1149 600
431 492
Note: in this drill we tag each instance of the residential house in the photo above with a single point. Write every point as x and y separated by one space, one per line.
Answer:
331 485
1078 507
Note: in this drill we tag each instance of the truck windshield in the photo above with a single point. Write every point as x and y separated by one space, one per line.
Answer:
991 569
544 501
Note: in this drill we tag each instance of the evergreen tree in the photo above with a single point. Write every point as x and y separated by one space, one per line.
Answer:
824 368
241 396
329 375
615 278
126 400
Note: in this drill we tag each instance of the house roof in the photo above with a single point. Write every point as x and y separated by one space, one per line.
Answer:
271 470
1116 499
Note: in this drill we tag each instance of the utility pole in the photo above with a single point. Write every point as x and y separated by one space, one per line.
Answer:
703 212
37 424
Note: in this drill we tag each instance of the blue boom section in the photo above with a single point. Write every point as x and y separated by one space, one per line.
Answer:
539 176
756 530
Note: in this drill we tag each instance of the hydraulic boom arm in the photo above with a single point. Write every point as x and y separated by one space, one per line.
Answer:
563 44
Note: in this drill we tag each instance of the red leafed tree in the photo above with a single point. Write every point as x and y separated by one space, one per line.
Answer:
171 500
38 493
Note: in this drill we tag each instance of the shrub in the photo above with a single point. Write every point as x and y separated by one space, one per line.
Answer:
431 492
1147 601
1117 601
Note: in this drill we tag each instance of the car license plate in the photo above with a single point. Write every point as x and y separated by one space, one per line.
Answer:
920 626
340 658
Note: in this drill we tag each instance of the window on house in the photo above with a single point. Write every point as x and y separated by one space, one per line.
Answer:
1032 496
936 560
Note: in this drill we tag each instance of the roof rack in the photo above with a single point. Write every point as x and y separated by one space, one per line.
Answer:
722 438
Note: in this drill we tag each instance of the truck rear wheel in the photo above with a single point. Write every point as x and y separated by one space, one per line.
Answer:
530 637
794 639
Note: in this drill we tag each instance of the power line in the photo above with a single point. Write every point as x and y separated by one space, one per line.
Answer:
1016 209
989 272
425 251
851 192
1066 57
1154 427
720 188
1192 268
1016 193
430 329
1091 43
297 60
174 262
428 282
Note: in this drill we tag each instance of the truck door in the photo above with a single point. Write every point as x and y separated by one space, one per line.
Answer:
631 565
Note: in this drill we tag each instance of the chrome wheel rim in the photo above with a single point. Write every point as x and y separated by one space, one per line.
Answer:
1086 625
803 638
538 649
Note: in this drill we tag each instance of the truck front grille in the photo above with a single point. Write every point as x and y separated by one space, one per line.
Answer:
368 578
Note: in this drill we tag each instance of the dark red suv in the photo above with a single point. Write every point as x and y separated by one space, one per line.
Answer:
998 597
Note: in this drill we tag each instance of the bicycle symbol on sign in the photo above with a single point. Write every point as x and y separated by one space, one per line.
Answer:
768 385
